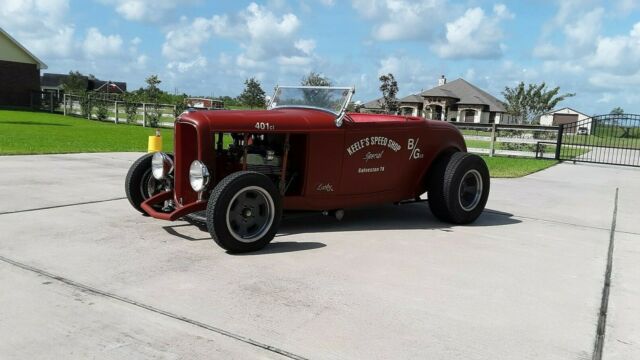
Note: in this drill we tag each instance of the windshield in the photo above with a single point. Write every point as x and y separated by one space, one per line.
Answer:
332 99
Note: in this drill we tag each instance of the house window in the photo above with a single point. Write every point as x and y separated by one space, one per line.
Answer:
469 116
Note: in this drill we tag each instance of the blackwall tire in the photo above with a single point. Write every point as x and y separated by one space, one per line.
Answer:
140 184
436 189
462 194
244 212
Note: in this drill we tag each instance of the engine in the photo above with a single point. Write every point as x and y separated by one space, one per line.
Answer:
267 163
264 153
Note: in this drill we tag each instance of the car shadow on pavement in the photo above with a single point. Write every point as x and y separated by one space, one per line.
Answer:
174 230
284 247
185 231
388 217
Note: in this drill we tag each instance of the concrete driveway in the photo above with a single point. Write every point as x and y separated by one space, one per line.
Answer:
82 275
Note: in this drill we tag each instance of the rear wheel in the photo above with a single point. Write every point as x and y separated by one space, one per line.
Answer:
459 188
140 185
244 212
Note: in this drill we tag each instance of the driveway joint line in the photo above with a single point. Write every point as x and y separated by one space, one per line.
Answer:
604 304
61 206
494 212
119 298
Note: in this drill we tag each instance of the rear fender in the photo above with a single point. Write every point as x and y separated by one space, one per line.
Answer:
424 177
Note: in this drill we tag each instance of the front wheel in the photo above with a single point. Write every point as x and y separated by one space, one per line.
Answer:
244 212
140 185
459 188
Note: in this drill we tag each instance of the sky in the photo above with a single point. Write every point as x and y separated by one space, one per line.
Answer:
208 48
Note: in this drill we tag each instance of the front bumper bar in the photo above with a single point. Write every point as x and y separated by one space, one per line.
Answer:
177 213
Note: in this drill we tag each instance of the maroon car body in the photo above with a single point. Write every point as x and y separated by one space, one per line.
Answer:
367 159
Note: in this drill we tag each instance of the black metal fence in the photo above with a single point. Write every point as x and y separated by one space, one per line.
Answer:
604 139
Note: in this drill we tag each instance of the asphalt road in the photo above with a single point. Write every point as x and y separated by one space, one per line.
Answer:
82 275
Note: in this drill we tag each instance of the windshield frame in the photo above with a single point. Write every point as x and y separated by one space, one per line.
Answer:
339 114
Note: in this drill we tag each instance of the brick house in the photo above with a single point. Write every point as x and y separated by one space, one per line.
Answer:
19 72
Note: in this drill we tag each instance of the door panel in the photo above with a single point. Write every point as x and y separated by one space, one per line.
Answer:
375 157
325 163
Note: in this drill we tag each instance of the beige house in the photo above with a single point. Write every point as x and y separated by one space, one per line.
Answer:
458 101
19 72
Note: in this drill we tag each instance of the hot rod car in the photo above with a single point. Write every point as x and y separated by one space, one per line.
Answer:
305 152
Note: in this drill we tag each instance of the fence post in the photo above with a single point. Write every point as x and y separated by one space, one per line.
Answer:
89 107
559 141
64 104
492 149
144 114
116 110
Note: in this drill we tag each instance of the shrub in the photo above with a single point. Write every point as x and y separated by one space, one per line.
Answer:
179 108
85 104
153 114
102 112
131 107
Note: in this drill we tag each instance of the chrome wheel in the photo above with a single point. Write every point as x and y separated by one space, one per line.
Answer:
250 214
149 186
470 190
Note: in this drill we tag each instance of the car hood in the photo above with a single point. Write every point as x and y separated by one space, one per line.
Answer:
280 120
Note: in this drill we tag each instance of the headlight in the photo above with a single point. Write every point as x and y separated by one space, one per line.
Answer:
161 165
198 176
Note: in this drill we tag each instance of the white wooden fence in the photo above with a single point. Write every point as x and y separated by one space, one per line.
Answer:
510 140
116 110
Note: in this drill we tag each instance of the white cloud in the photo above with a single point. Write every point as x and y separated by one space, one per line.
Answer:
626 6
38 24
580 34
265 35
146 10
475 35
97 45
294 61
261 34
586 57
199 62
305 45
186 39
267 46
411 73
403 19
618 54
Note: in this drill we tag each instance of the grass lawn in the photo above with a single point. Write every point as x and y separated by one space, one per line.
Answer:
24 132
510 167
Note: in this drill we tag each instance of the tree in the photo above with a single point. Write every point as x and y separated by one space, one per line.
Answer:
152 91
253 95
315 79
75 83
617 111
389 89
152 94
532 101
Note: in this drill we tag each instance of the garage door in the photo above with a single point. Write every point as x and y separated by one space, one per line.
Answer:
564 119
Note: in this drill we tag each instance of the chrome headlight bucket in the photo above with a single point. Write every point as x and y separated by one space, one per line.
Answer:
198 176
161 165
